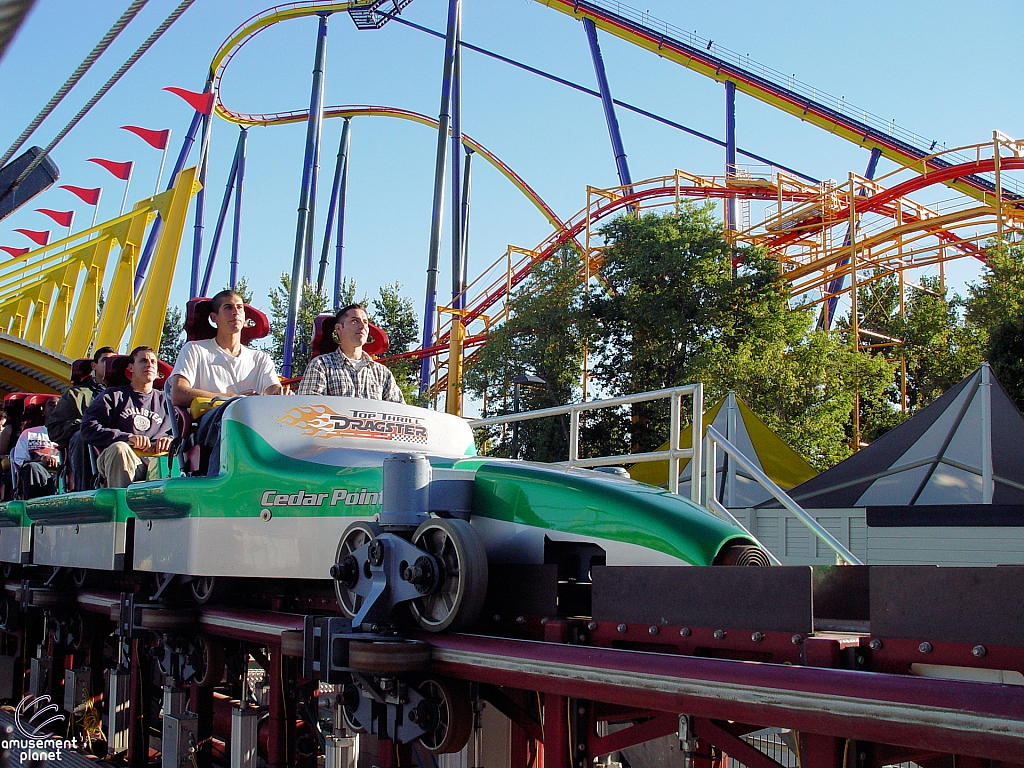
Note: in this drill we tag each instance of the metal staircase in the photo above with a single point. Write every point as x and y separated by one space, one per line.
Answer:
376 13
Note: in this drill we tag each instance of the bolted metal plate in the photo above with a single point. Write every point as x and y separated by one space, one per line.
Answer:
955 605
776 599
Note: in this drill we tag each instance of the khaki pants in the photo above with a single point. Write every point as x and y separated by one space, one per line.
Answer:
119 466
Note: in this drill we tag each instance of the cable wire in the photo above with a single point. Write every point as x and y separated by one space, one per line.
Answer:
106 87
87 62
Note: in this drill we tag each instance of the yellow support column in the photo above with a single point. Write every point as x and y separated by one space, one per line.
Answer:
152 305
84 323
116 308
34 329
453 400
60 312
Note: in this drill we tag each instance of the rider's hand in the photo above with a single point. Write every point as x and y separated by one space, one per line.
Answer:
50 462
161 445
139 442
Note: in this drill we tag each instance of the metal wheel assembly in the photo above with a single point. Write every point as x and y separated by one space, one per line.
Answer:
356 535
461 560
208 589
446 713
208 662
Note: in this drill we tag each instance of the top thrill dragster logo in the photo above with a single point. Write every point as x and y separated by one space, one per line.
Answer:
321 421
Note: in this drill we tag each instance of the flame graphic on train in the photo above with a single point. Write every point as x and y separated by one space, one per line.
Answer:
319 421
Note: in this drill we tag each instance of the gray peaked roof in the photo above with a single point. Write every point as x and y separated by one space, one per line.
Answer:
965 448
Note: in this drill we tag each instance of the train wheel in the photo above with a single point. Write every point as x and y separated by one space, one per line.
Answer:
9 612
209 662
77 633
448 716
208 589
355 536
742 554
384 657
462 577
350 705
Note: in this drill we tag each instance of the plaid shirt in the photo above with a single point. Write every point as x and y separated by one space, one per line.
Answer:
334 375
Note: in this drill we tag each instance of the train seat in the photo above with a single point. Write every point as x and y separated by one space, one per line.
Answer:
115 371
198 327
81 370
323 342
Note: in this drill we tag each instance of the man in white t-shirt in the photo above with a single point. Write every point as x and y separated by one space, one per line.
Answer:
221 367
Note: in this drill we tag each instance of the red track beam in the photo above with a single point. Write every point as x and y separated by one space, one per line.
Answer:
976 719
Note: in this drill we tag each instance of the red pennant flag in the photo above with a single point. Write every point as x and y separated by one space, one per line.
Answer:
15 252
90 196
39 238
121 170
64 218
200 102
155 139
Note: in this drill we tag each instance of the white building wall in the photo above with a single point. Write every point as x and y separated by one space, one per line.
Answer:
791 541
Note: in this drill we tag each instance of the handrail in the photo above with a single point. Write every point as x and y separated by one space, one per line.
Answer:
713 438
674 453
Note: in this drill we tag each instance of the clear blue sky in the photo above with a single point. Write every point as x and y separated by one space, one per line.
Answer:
943 70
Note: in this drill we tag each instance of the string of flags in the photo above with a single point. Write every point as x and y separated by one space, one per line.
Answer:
157 139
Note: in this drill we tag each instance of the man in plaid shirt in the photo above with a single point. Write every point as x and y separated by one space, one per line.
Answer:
349 371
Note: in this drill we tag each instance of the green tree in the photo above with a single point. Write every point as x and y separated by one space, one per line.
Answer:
999 294
242 289
395 314
678 313
313 303
546 335
1006 355
995 311
929 335
347 294
940 344
172 336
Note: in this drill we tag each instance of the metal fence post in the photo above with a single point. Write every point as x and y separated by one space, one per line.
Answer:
696 434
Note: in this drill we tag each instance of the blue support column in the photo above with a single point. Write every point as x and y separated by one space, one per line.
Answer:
321 275
621 166
197 231
218 228
730 150
457 162
236 236
339 253
464 260
835 286
437 210
312 137
158 225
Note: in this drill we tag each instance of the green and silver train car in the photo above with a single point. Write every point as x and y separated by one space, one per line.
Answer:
300 488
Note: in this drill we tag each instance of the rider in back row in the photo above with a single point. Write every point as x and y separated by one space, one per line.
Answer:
125 426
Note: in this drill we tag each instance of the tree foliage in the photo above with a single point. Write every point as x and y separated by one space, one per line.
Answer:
396 316
673 311
996 309
546 336
313 303
172 336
